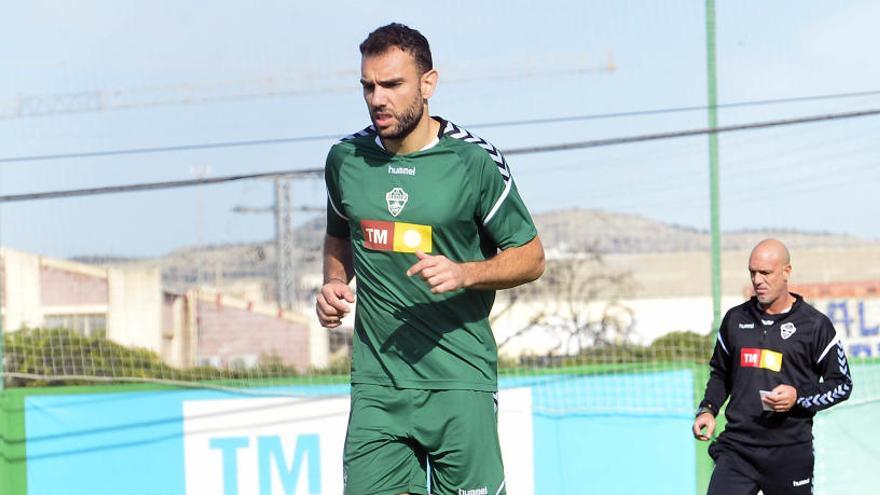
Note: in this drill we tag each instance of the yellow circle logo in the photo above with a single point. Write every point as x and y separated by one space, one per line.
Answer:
412 238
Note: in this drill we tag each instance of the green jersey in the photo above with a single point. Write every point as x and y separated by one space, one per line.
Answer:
455 198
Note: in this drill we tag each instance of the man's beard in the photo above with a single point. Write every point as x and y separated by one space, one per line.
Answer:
407 121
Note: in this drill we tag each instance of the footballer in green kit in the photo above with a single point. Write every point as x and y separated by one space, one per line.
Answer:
427 217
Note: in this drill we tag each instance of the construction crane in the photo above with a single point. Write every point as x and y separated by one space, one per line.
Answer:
91 101
274 86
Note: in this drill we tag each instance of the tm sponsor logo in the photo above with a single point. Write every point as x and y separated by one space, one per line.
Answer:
760 358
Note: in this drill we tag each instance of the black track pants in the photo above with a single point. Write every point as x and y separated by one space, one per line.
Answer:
744 469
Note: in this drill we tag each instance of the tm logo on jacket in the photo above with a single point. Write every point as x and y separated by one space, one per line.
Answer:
760 358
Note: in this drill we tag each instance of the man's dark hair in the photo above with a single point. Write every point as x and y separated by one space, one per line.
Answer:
403 37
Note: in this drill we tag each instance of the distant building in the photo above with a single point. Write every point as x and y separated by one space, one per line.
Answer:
668 292
854 309
128 305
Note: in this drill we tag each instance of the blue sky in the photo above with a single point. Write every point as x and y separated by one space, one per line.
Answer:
521 61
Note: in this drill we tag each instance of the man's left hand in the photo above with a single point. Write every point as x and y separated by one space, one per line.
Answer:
781 398
441 273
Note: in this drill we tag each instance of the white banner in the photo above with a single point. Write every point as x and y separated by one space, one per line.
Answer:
293 446
264 446
857 321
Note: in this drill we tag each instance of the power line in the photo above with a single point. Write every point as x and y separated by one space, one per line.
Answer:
736 173
166 149
687 133
510 123
147 186
516 151
640 113
755 151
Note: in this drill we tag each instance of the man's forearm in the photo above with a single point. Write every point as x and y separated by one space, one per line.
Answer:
509 268
836 384
716 394
337 259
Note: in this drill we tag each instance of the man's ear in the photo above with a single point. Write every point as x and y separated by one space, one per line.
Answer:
428 83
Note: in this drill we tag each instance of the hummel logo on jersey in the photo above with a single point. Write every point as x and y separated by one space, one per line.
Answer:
760 358
787 330
747 325
800 483
401 170
477 491
396 199
399 237
767 322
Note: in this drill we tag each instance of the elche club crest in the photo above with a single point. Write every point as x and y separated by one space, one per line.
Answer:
396 199
787 330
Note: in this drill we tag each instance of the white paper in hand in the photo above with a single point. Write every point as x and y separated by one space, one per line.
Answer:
765 393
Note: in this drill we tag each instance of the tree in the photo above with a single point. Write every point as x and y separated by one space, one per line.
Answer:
576 304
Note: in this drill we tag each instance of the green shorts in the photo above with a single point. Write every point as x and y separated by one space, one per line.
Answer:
396 436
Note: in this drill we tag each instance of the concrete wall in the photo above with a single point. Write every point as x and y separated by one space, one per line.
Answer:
36 287
319 344
234 332
854 309
21 290
70 284
134 318
688 274
182 328
650 318
672 292
178 330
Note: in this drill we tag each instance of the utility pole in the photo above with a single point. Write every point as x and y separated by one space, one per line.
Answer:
282 211
285 290
200 172
715 216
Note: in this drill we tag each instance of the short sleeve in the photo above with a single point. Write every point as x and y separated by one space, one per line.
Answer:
502 211
337 221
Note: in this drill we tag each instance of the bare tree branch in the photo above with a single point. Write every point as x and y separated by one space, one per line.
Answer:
579 305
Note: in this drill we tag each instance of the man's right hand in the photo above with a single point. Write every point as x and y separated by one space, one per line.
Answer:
707 421
332 303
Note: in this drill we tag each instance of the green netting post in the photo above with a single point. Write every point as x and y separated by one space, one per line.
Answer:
715 216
